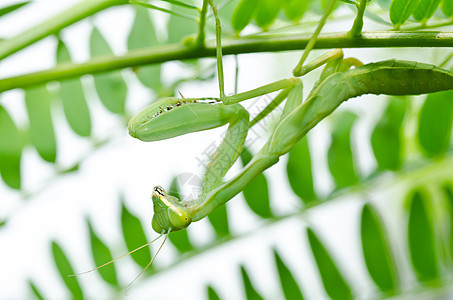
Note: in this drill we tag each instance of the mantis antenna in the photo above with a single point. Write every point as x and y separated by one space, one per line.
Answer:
149 264
107 263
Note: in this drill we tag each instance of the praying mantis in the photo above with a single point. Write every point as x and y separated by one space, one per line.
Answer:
171 117
341 79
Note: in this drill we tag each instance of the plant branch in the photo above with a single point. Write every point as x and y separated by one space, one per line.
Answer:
182 4
218 44
201 33
356 30
175 13
55 24
164 53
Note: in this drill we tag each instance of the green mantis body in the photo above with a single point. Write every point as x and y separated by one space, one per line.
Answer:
390 77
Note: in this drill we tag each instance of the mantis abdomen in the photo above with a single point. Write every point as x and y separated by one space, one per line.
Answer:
390 77
396 77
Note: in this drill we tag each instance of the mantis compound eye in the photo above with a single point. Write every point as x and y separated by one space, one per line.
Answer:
169 212
179 218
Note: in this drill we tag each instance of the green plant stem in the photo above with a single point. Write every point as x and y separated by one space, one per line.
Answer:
150 6
219 54
182 4
236 74
55 24
164 53
201 29
356 30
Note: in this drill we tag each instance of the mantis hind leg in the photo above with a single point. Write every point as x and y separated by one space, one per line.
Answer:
349 62
339 64
331 58
335 63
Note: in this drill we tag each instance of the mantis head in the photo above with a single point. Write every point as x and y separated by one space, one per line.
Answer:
169 213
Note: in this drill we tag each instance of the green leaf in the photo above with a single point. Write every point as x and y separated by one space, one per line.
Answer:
243 14
448 191
256 193
267 12
376 251
319 7
64 268
38 102
142 35
35 290
289 285
179 28
401 10
8 9
134 237
212 294
334 283
339 156
98 44
299 171
353 2
447 7
387 137
295 9
111 87
226 11
425 10
11 145
376 18
421 236
101 254
71 93
179 239
435 123
219 221
324 4
250 291
384 4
